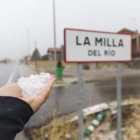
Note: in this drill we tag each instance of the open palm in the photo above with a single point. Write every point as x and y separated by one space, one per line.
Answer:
35 102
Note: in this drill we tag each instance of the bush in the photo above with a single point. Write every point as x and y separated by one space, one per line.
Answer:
86 66
59 64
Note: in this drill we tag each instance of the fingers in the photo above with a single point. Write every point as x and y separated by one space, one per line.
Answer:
46 92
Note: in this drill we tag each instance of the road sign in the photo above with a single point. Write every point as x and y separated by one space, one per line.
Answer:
90 46
93 46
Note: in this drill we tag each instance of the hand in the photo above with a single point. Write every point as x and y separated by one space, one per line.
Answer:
36 101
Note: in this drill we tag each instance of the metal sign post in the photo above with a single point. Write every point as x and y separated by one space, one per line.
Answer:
80 101
119 96
84 46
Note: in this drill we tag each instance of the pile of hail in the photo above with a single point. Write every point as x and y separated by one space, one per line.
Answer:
34 84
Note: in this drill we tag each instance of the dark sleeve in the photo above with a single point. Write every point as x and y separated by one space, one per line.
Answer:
14 114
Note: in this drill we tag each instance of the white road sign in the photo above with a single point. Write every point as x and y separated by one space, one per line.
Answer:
90 46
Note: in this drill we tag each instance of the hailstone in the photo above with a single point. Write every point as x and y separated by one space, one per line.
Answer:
34 84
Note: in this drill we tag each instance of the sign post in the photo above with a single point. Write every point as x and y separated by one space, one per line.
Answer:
80 101
119 96
82 46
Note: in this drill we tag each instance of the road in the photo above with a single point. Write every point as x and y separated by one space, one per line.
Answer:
8 73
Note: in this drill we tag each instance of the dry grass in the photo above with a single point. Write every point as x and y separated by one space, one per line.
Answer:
59 131
55 132
131 125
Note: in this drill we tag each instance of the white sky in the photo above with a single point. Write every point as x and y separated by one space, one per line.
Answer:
37 15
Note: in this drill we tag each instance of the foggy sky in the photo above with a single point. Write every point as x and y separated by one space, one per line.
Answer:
37 15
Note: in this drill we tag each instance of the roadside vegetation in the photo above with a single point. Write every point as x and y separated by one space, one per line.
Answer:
105 131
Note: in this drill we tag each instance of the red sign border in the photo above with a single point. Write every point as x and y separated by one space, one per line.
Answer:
95 32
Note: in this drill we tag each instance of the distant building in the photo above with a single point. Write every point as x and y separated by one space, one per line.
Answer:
6 60
26 59
135 41
51 53
45 57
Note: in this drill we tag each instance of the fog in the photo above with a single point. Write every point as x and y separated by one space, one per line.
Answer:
17 16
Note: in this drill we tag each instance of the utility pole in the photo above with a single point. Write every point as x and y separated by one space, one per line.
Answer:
134 24
36 56
54 23
28 40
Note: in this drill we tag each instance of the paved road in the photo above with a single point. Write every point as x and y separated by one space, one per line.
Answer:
8 73
64 99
